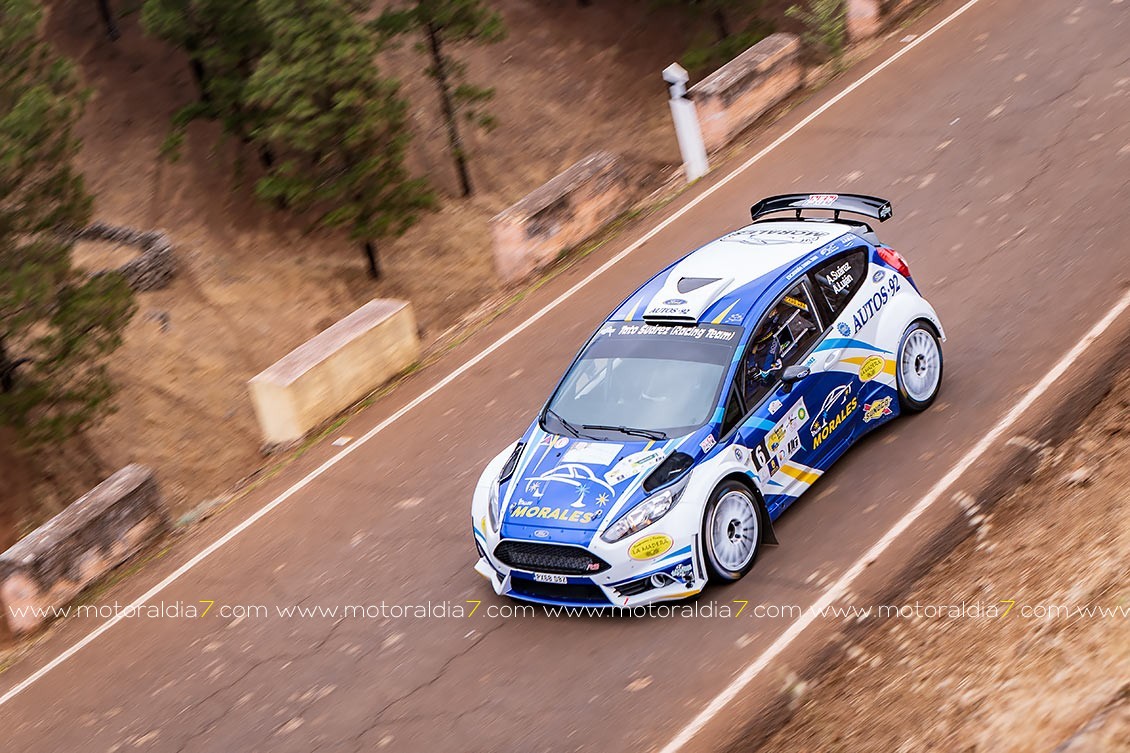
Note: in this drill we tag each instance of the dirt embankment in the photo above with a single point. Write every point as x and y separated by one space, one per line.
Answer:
252 284
1043 667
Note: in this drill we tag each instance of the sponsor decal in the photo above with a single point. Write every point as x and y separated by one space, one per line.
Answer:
593 453
738 454
708 443
554 441
693 333
796 303
774 407
770 236
650 547
875 410
579 477
634 464
683 571
607 329
871 367
821 200
781 442
837 396
735 318
561 514
844 329
873 304
541 533
675 302
825 431
878 276
774 438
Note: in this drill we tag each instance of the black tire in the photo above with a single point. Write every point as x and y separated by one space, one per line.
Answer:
916 403
716 569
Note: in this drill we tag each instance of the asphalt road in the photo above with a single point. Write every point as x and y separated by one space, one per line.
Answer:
1004 144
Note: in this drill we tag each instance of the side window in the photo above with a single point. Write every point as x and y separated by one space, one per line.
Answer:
786 333
734 411
838 279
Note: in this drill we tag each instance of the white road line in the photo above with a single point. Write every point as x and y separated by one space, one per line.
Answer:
467 366
840 587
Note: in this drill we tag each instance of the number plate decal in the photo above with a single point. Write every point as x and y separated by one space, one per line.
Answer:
548 578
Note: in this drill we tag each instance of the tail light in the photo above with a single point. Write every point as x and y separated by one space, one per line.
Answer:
894 259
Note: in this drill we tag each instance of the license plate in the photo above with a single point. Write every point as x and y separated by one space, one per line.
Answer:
547 578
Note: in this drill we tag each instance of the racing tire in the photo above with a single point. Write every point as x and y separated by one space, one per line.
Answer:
918 368
733 528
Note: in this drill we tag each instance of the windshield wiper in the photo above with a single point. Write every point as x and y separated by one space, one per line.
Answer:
645 433
572 429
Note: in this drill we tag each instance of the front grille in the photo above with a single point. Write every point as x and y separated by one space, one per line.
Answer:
580 593
549 558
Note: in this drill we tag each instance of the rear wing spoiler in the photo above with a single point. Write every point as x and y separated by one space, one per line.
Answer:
868 206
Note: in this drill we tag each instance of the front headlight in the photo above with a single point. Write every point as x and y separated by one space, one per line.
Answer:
492 506
647 512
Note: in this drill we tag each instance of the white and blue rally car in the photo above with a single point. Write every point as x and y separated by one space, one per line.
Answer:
711 399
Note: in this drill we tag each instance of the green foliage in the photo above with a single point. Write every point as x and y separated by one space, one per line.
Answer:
224 40
442 23
731 28
337 127
55 322
826 22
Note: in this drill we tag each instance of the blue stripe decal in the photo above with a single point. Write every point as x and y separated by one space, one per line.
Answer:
684 551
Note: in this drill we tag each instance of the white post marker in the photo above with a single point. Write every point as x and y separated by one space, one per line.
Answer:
687 129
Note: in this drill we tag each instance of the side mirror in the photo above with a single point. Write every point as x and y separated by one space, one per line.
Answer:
792 375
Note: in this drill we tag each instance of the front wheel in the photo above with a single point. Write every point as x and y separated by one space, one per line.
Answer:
732 531
919 369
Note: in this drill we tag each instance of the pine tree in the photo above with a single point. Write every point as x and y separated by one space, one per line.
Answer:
224 40
443 23
109 20
56 323
337 126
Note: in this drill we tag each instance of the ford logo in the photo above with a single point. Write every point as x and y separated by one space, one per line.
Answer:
541 533
675 302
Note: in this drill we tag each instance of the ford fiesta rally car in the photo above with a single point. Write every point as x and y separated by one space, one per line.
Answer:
711 399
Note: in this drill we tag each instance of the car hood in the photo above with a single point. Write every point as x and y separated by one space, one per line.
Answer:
564 489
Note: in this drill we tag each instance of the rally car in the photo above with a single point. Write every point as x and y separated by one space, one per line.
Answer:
710 400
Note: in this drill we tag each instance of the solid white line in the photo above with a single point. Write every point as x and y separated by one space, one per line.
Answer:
840 587
465 367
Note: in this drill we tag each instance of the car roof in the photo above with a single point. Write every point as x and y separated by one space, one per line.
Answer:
722 281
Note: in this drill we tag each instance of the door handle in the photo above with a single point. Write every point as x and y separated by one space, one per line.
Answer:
831 359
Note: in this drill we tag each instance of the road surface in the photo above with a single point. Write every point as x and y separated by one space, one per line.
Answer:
1004 143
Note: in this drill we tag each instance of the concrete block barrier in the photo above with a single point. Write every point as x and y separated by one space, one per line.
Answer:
560 214
739 92
106 526
336 368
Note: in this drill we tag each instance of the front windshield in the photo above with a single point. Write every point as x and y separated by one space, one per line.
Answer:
645 377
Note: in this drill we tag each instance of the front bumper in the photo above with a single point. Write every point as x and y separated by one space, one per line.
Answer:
677 573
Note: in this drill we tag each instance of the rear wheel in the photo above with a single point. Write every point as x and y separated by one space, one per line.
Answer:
732 531
919 368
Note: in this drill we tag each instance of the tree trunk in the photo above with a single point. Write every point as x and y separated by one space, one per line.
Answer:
201 78
108 19
8 368
721 24
453 137
374 261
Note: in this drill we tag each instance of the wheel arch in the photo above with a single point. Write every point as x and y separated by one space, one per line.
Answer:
770 537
